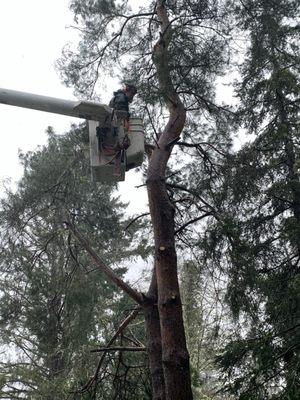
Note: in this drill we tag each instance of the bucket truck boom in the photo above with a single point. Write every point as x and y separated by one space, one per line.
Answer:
100 117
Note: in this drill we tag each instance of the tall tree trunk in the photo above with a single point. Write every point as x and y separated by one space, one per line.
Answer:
175 356
174 351
154 341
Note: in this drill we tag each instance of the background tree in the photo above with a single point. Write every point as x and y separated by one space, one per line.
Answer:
259 230
55 307
234 216
207 325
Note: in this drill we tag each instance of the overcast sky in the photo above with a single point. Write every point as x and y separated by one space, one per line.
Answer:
33 33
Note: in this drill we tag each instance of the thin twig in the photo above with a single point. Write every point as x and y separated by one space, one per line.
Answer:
118 348
135 219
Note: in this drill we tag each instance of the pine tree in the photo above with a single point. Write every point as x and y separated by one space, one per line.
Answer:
55 307
205 327
173 51
259 213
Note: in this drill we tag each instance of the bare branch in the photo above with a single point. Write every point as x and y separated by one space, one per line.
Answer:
118 348
135 219
194 193
199 144
121 328
136 296
192 221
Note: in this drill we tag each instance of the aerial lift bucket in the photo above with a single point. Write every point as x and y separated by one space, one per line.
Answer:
103 166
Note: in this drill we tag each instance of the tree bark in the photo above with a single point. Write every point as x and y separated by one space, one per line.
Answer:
154 347
175 357
174 352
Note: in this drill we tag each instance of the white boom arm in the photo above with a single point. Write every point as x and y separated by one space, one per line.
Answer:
81 109
98 116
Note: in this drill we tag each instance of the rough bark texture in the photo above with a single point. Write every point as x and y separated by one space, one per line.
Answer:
154 342
175 356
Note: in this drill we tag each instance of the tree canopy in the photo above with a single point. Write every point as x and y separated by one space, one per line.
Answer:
229 214
55 306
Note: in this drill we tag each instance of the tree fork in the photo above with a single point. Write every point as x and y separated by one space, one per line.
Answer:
175 357
149 306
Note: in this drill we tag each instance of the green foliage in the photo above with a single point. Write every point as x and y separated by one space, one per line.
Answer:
55 306
118 41
257 234
249 202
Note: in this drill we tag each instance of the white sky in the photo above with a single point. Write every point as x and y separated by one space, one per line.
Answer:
33 33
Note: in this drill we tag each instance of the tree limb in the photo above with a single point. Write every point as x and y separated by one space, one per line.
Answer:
135 219
118 348
191 221
136 296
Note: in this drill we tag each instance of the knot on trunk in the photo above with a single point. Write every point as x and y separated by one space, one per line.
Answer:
171 298
165 251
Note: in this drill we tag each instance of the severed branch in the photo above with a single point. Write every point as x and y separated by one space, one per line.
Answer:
136 296
172 142
149 148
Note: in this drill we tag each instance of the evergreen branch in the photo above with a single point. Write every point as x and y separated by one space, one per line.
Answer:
209 104
114 38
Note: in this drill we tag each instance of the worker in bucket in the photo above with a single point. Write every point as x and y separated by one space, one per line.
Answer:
121 100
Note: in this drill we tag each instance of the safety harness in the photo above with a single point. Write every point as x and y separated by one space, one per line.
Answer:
116 150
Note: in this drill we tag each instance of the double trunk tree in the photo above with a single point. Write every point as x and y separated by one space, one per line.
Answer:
167 350
175 357
175 51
